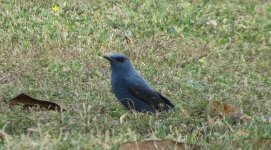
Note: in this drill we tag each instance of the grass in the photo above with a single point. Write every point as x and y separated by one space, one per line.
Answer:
194 52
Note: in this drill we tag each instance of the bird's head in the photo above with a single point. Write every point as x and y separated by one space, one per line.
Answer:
119 62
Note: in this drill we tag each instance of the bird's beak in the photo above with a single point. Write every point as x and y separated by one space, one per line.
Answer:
107 57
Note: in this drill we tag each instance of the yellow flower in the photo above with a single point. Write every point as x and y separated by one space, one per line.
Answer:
56 8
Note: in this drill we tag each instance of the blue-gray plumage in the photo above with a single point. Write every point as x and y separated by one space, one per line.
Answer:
132 90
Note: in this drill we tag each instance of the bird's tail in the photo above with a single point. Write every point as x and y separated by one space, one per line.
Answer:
169 108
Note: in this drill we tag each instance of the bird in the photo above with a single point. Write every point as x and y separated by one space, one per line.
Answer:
132 90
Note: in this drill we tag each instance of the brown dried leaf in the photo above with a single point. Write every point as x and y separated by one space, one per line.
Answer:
228 108
157 145
28 102
224 108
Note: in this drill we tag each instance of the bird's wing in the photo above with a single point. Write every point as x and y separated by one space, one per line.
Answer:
140 89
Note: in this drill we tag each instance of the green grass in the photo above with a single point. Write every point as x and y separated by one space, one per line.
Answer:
57 56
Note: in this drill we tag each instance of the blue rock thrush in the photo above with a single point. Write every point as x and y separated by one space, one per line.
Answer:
132 90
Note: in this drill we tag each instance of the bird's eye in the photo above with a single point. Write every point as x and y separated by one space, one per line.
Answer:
120 59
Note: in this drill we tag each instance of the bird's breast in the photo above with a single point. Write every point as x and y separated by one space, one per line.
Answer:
119 87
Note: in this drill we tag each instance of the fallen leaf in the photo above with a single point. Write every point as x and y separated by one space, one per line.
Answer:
28 102
157 145
228 108
224 107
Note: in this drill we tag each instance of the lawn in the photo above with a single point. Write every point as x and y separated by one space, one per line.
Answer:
196 53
